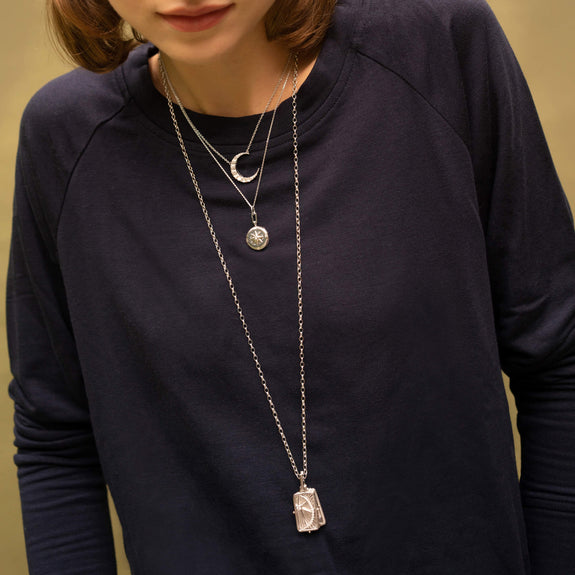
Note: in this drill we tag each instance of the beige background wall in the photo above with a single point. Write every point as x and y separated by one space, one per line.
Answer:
541 31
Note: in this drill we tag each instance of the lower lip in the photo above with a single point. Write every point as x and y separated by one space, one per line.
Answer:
197 23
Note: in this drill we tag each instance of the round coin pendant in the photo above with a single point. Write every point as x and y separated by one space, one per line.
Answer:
257 238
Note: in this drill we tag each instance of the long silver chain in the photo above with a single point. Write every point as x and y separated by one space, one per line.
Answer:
301 475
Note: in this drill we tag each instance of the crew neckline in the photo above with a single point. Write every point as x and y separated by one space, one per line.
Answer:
314 94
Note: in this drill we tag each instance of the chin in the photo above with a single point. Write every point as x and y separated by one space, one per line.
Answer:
198 52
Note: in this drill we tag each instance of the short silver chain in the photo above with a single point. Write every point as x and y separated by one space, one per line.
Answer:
301 475
212 151
201 137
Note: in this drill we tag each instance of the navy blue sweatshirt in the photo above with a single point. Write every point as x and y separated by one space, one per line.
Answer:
438 248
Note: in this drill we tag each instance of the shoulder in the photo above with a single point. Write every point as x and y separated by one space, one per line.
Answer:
425 16
433 45
56 128
71 106
397 31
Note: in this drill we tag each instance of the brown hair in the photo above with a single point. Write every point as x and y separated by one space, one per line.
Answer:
92 34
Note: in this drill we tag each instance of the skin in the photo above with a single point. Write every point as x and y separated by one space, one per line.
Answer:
227 70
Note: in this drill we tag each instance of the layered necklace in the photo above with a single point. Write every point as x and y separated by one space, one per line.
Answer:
257 237
307 508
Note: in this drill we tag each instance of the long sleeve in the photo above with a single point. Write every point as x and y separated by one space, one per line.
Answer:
63 493
531 250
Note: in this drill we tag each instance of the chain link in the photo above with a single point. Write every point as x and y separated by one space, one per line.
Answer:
301 475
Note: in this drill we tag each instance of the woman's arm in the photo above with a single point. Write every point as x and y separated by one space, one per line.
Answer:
531 249
63 492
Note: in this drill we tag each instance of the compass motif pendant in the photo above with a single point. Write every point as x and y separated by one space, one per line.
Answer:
257 238
307 510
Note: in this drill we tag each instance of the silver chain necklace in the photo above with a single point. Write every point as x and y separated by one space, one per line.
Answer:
307 508
257 237
233 163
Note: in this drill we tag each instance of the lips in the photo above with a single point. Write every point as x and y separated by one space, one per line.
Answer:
196 19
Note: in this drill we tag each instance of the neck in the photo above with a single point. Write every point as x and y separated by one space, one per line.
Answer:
233 85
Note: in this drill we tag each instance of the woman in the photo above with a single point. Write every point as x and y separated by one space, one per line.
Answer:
305 278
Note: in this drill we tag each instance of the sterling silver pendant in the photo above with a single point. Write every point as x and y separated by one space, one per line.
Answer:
307 510
257 238
235 172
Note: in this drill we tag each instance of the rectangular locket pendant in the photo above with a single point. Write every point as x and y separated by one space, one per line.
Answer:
307 510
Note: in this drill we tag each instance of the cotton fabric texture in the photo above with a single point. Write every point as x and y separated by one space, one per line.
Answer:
437 247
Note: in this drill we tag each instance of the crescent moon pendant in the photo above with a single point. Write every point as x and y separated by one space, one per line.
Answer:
236 174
